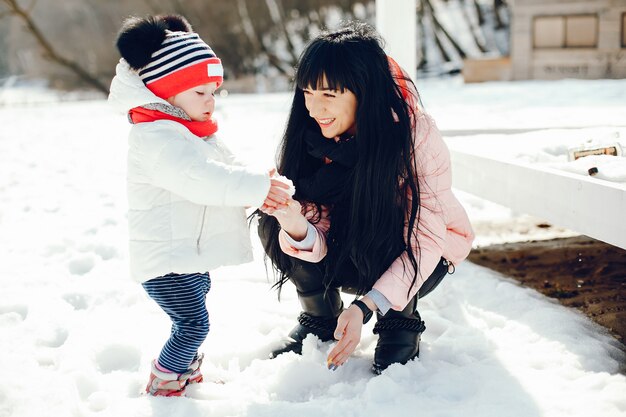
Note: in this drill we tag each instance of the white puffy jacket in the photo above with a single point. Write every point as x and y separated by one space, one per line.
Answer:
186 195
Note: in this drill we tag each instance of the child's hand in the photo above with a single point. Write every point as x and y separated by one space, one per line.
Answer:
277 196
291 190
281 189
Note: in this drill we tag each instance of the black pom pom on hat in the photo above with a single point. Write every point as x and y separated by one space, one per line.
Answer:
139 38
176 22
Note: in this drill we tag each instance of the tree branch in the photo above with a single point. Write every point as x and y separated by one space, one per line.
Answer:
497 5
254 40
436 36
472 28
49 51
277 13
420 18
479 13
439 26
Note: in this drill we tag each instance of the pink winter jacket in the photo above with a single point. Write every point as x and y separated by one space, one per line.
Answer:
443 229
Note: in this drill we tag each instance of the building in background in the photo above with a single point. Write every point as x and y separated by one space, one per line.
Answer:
557 39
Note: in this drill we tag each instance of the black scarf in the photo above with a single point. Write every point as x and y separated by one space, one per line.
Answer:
331 185
328 183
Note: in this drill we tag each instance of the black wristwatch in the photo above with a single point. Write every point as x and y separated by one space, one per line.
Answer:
367 312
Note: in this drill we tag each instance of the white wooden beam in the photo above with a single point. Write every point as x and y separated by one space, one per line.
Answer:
396 21
590 206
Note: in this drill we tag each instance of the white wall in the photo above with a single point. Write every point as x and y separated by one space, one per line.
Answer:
396 21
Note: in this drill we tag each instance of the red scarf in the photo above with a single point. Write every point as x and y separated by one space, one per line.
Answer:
202 129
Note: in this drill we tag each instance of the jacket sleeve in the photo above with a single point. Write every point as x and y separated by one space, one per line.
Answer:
321 225
175 163
429 236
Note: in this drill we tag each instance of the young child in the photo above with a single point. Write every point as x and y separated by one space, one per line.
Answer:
186 191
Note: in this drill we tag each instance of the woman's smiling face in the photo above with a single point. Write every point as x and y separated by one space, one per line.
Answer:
333 110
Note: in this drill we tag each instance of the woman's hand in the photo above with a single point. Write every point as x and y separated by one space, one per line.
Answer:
348 332
291 219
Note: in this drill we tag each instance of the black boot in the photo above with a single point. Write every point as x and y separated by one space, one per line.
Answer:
319 317
399 335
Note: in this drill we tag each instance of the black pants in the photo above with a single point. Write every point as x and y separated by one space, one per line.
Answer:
309 277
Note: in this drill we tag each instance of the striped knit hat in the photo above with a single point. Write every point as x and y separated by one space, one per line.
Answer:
167 55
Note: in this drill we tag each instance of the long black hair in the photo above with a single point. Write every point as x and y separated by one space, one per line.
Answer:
370 222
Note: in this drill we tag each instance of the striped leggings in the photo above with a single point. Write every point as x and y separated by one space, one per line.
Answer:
183 298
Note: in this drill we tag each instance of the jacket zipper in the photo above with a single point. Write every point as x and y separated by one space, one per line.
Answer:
201 229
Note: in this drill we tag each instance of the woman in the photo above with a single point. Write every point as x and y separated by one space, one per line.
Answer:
373 213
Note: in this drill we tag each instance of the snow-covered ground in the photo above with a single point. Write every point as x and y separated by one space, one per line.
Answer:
78 335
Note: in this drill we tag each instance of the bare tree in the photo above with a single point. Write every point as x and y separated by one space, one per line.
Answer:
482 23
276 30
475 31
498 5
479 13
440 30
423 59
49 52
277 13
251 36
256 41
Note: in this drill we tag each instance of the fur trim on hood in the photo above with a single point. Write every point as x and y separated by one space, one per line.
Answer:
128 91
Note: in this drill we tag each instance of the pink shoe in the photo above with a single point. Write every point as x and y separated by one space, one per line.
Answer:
196 374
166 384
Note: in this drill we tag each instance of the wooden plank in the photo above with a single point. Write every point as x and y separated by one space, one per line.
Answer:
590 206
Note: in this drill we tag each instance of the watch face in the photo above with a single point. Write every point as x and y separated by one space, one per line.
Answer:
367 317
367 313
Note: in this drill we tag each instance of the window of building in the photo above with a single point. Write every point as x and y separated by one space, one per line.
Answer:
549 32
576 31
